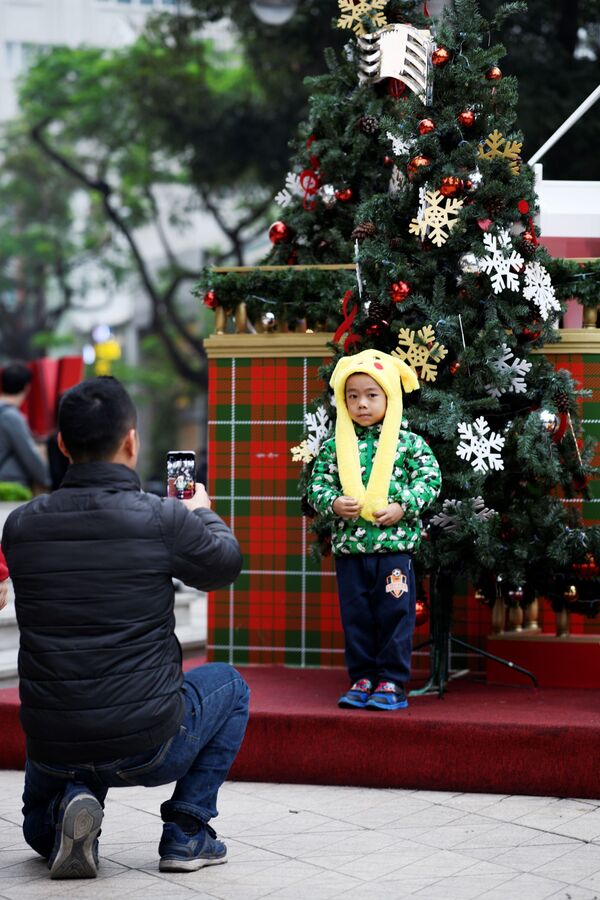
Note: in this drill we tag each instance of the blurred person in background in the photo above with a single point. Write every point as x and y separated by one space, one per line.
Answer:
20 461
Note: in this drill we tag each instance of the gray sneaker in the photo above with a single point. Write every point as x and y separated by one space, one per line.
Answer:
75 852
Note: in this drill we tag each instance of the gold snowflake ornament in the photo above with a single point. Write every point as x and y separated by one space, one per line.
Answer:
496 146
302 453
421 351
353 12
436 217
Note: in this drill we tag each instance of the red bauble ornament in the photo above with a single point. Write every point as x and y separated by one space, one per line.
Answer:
395 87
493 74
376 328
279 233
466 118
421 613
210 300
454 367
344 195
523 207
451 185
528 237
530 334
587 569
580 482
416 163
399 291
440 57
426 126
388 161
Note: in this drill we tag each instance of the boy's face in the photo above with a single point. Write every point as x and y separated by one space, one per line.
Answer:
365 400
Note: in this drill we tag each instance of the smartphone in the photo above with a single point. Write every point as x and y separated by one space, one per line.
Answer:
181 474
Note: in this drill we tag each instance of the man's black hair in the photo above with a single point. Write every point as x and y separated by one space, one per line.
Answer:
15 378
94 417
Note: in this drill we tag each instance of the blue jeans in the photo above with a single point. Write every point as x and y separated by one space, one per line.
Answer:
198 757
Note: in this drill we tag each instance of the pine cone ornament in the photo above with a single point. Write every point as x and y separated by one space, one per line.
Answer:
494 205
395 243
364 230
368 124
379 311
561 398
527 249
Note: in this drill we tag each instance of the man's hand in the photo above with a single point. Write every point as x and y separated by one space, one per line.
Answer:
390 515
3 594
200 500
346 508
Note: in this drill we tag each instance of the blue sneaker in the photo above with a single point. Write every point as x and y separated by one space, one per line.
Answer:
75 851
357 696
181 852
387 695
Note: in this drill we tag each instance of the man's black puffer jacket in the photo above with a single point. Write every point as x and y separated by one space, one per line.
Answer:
99 663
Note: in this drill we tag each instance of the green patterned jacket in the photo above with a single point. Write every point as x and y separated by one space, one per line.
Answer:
416 482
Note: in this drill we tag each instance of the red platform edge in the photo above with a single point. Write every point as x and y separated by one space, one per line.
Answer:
479 738
569 662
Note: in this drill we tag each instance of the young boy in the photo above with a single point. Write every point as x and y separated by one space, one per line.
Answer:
374 480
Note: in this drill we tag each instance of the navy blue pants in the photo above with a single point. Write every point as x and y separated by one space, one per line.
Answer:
377 605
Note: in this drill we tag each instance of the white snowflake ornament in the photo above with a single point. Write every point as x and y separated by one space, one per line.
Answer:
449 519
292 189
436 218
318 426
503 261
400 146
516 368
539 289
480 445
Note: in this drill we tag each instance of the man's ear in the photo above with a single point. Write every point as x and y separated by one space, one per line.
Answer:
130 443
62 447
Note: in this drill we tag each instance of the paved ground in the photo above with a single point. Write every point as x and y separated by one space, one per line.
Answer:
300 842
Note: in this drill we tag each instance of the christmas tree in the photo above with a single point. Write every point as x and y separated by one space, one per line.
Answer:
410 163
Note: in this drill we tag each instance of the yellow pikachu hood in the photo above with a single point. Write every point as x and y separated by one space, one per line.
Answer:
391 374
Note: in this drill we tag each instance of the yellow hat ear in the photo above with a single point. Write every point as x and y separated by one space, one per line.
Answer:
339 373
408 376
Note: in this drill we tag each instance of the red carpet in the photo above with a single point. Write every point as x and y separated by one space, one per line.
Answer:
511 740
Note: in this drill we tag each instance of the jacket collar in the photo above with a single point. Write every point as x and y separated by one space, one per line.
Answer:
106 475
364 430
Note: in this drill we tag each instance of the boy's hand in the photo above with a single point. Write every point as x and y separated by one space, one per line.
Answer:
390 515
3 594
346 508
200 500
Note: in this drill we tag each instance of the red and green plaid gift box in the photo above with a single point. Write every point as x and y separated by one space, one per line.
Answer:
283 607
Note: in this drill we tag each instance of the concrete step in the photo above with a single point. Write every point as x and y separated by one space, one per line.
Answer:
190 628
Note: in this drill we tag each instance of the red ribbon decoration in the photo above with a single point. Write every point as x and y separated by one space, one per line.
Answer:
562 428
310 180
346 325
425 10
523 207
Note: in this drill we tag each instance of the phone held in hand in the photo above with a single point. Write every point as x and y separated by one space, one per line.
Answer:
181 474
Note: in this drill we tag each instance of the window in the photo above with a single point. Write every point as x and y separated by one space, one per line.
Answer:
20 57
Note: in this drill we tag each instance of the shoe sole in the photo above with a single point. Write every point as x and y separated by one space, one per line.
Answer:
374 704
189 865
80 826
351 704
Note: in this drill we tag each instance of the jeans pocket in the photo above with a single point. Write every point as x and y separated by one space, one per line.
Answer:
54 771
146 772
